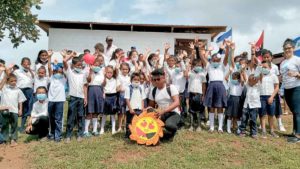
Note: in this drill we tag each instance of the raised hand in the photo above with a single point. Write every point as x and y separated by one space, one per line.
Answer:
191 45
50 52
167 46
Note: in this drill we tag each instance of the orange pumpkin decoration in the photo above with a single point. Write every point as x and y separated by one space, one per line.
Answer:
146 128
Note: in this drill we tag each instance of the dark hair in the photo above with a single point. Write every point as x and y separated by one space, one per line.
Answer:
38 59
41 87
114 71
131 53
125 64
196 61
75 60
15 67
150 58
237 57
267 62
99 46
114 54
10 76
133 75
24 59
42 67
266 51
2 61
158 72
289 41
86 50
237 75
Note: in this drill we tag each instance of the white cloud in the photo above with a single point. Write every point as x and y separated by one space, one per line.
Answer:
289 14
103 14
147 7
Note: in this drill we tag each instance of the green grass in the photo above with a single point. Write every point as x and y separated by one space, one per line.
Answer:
188 150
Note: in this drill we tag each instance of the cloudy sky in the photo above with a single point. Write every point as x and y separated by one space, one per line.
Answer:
279 19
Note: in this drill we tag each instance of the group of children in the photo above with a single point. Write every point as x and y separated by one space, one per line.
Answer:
235 88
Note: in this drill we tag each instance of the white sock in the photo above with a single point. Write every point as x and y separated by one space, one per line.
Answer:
103 120
238 123
87 124
95 124
212 121
113 123
220 118
229 126
279 122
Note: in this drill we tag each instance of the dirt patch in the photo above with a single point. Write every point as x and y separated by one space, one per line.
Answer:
13 157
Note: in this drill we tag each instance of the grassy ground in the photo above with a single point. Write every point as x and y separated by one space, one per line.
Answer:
188 150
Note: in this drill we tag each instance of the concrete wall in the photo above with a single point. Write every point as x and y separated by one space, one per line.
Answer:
79 40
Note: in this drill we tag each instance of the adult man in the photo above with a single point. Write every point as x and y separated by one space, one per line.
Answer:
110 48
167 99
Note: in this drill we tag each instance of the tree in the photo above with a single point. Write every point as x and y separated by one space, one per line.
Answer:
18 21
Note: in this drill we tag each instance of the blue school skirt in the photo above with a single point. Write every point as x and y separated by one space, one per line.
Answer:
195 103
110 104
234 108
215 95
95 99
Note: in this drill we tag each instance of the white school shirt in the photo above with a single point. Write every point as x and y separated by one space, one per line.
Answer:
235 90
24 79
38 110
76 82
292 64
112 63
274 69
253 96
97 78
57 91
137 97
195 82
124 81
11 97
108 53
111 86
40 82
216 74
162 98
267 84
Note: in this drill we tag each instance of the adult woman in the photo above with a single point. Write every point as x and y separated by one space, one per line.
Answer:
290 69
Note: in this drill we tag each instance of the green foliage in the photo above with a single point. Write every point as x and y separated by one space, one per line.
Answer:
16 19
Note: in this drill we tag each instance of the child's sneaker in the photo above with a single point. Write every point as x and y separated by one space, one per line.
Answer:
254 136
113 132
264 135
211 130
220 131
191 129
198 129
101 131
281 128
13 143
68 140
242 134
207 123
96 133
87 135
229 131
273 134
119 130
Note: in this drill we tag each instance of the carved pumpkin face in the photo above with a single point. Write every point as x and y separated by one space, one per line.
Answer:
146 129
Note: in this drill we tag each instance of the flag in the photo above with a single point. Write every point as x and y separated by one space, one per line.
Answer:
259 45
297 46
224 36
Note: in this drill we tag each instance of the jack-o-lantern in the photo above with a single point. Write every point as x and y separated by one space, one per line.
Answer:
146 128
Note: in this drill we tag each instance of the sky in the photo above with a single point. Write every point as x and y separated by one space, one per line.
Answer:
279 19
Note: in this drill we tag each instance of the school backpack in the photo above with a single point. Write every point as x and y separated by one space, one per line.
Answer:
131 91
168 90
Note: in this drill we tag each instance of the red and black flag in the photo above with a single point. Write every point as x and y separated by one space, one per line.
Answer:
259 45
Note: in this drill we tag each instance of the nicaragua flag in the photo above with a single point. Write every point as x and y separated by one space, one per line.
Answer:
297 46
226 35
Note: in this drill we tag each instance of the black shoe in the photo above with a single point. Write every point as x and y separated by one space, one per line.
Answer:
293 140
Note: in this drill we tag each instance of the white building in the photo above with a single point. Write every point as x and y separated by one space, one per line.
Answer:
78 36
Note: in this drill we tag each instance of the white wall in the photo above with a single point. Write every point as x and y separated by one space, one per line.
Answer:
79 40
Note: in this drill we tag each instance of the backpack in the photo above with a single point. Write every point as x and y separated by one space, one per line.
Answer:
131 91
168 90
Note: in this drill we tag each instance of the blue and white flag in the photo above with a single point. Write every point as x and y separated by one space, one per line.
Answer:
224 36
297 46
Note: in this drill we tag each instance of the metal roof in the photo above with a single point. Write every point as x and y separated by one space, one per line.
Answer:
213 30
